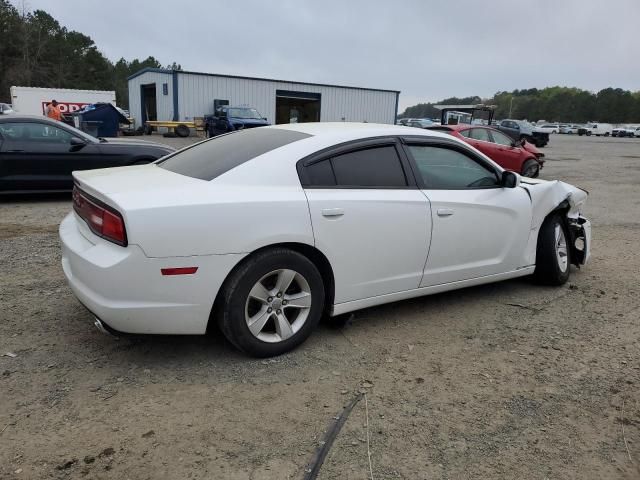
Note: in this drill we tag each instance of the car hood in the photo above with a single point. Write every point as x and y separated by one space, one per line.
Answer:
133 141
248 121
531 148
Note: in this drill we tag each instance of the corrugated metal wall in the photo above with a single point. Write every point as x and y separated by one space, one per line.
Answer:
197 92
164 102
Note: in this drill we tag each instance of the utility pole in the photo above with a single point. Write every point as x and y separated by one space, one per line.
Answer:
510 105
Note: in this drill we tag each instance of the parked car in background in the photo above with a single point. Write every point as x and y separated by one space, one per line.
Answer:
420 123
5 109
518 156
228 119
549 127
636 132
265 230
597 129
619 132
520 129
630 131
569 129
39 154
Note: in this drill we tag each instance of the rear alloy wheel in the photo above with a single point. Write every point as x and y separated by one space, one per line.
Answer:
272 303
553 255
281 297
530 168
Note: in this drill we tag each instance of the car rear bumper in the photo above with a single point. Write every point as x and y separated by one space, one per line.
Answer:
126 290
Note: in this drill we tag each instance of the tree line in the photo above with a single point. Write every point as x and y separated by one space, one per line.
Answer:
36 51
553 104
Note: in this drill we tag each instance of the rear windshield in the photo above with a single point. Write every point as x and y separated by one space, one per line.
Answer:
212 158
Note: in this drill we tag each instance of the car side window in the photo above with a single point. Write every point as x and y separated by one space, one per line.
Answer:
34 132
365 168
466 133
501 139
11 131
321 174
447 169
480 134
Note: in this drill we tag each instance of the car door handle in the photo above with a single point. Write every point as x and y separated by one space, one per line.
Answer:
15 150
445 212
332 212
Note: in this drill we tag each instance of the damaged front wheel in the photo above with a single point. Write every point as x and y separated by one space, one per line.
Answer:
553 255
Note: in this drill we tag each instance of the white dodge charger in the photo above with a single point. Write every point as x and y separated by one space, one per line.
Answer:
263 231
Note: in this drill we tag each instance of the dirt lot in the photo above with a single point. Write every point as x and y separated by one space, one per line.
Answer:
508 380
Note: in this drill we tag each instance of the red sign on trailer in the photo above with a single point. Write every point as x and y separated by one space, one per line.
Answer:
66 107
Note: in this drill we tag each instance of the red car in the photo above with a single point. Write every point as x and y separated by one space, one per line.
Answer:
523 158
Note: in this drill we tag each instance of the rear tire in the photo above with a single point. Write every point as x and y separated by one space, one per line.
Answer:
553 255
530 168
257 312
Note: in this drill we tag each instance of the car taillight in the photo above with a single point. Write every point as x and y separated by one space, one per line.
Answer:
101 219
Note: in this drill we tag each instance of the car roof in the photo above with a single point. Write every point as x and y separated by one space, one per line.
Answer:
27 118
354 131
458 127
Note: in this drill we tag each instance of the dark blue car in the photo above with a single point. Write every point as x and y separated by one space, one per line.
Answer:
227 119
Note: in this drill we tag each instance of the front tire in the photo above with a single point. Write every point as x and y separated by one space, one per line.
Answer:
530 168
271 303
553 255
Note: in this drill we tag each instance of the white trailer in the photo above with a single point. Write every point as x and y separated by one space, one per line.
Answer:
34 100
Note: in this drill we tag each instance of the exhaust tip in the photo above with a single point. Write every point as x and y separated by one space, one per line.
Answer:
100 326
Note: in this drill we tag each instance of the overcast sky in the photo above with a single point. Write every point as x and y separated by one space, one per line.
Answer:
428 50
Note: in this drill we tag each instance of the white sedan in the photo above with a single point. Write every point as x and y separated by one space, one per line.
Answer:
263 231
549 128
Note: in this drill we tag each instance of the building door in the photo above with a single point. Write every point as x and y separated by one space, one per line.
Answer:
297 107
148 102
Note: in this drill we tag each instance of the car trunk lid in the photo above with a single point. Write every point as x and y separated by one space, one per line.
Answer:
136 186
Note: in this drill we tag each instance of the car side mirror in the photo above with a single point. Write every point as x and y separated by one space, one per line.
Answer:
76 144
510 179
264 118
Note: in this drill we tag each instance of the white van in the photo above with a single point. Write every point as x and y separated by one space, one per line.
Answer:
597 129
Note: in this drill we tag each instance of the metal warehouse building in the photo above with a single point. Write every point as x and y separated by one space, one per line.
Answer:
158 94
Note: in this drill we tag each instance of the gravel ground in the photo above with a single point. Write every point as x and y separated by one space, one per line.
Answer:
509 380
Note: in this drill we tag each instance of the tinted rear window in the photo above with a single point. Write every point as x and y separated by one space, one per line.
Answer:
210 159
371 167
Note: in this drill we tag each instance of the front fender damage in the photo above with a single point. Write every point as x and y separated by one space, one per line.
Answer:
550 196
